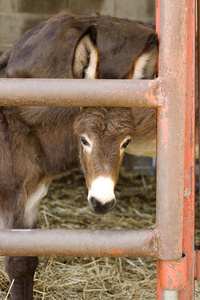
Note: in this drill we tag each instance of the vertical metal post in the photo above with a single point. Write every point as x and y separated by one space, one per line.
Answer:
189 189
171 133
171 127
173 67
198 63
159 290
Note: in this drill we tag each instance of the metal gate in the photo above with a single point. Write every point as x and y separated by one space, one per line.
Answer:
173 94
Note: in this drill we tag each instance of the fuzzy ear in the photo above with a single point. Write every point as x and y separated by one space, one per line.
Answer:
85 63
144 67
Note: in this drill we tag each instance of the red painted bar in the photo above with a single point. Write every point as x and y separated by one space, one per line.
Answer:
197 264
173 274
168 94
159 290
189 190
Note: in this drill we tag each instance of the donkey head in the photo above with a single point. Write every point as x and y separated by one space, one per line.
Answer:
104 133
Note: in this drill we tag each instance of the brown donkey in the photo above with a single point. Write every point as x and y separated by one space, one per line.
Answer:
38 144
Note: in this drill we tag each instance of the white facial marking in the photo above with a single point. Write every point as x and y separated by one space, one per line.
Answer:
33 204
139 66
102 188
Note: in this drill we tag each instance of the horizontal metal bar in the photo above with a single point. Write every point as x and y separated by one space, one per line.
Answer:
80 243
78 92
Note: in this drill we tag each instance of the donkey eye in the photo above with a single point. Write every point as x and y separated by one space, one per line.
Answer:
84 141
126 143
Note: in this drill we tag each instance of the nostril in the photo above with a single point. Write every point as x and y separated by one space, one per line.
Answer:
111 204
94 202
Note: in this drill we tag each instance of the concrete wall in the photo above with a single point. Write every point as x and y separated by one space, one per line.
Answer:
17 16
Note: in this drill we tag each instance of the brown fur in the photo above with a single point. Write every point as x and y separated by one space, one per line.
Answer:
41 143
103 127
36 55
47 50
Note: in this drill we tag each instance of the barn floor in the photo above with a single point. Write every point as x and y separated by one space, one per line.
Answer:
88 278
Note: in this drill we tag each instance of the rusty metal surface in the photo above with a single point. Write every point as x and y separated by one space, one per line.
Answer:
95 243
78 92
198 62
189 181
159 290
173 274
197 264
168 94
171 128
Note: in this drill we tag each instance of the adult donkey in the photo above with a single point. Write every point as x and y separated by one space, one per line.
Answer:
41 143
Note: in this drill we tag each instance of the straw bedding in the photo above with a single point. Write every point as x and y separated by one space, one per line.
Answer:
88 278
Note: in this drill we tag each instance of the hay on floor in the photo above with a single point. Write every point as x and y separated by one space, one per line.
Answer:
89 278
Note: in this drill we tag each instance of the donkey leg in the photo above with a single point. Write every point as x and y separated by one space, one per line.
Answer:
21 272
21 269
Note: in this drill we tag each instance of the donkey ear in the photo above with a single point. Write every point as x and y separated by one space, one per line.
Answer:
85 63
144 67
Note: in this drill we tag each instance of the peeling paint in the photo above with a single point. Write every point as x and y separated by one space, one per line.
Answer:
187 192
115 252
